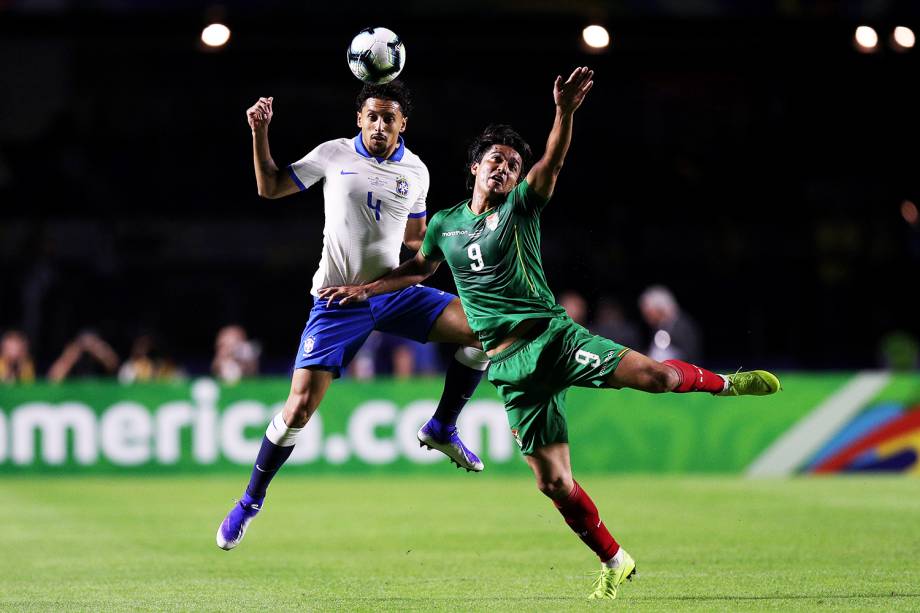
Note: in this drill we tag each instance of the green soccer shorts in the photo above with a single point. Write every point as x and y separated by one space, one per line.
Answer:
533 375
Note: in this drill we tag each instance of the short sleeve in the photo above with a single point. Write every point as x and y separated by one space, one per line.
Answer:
312 167
431 250
524 198
419 206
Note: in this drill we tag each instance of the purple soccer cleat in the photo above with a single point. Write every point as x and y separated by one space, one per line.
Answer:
446 440
232 529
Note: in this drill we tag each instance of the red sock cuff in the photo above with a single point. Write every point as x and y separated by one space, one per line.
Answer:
695 379
571 499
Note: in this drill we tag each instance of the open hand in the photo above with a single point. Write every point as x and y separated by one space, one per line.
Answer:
345 294
259 115
569 95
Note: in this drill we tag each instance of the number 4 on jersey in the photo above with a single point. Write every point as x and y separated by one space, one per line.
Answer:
370 205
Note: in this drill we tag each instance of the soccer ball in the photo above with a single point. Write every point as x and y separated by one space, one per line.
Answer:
376 55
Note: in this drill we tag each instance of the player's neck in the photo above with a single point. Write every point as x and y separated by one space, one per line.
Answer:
480 202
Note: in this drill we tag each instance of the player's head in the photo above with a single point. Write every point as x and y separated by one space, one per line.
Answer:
382 113
497 160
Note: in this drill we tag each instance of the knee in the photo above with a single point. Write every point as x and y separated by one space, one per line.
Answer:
556 486
470 340
298 409
659 378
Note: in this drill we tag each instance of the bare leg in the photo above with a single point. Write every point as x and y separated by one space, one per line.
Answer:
553 470
451 326
307 390
308 387
641 372
463 376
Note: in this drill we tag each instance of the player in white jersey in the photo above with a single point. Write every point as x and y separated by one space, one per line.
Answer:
374 190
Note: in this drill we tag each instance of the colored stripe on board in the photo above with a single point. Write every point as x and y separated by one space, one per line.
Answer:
812 432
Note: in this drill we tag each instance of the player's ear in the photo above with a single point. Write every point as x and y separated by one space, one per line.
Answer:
402 128
474 168
359 119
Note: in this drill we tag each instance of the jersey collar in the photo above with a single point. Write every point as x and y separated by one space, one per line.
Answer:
396 157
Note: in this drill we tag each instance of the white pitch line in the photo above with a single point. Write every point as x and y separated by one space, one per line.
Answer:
805 438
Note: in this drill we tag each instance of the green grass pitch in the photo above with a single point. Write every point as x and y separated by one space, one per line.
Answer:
457 543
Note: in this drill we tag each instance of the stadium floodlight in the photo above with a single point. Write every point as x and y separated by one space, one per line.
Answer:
596 37
902 38
215 35
866 39
662 339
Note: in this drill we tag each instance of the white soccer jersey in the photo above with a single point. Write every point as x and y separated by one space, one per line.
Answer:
368 201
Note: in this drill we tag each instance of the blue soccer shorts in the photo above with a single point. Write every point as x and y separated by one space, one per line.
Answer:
334 334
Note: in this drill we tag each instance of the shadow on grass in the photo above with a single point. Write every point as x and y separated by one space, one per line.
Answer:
395 599
784 597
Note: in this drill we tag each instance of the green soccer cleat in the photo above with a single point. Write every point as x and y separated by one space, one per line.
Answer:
751 383
608 580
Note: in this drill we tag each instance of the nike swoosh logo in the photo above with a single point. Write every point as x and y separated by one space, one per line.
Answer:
345 172
260 469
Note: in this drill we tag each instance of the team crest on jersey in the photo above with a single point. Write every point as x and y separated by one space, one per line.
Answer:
492 221
517 439
402 186
308 346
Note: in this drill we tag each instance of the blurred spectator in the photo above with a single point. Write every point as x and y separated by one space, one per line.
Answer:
899 351
148 362
405 358
85 356
674 334
610 322
403 361
364 366
16 364
235 356
387 354
575 305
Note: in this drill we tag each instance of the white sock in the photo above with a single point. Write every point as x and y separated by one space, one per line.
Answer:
615 560
472 358
280 433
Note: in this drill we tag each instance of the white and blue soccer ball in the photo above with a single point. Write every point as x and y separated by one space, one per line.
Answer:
376 55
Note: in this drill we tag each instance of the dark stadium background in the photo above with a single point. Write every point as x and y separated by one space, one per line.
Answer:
749 158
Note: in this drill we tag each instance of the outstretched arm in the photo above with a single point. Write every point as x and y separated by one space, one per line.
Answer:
271 182
568 97
408 273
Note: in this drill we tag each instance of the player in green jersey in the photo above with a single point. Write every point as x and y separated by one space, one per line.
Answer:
492 245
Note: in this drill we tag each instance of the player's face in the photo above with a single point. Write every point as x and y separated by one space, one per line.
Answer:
381 122
498 172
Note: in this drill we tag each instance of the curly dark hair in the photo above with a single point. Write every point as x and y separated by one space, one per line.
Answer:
497 134
394 90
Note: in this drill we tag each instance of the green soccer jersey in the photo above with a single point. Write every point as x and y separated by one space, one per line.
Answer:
496 263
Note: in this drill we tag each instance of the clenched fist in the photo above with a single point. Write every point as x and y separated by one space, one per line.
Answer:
259 115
